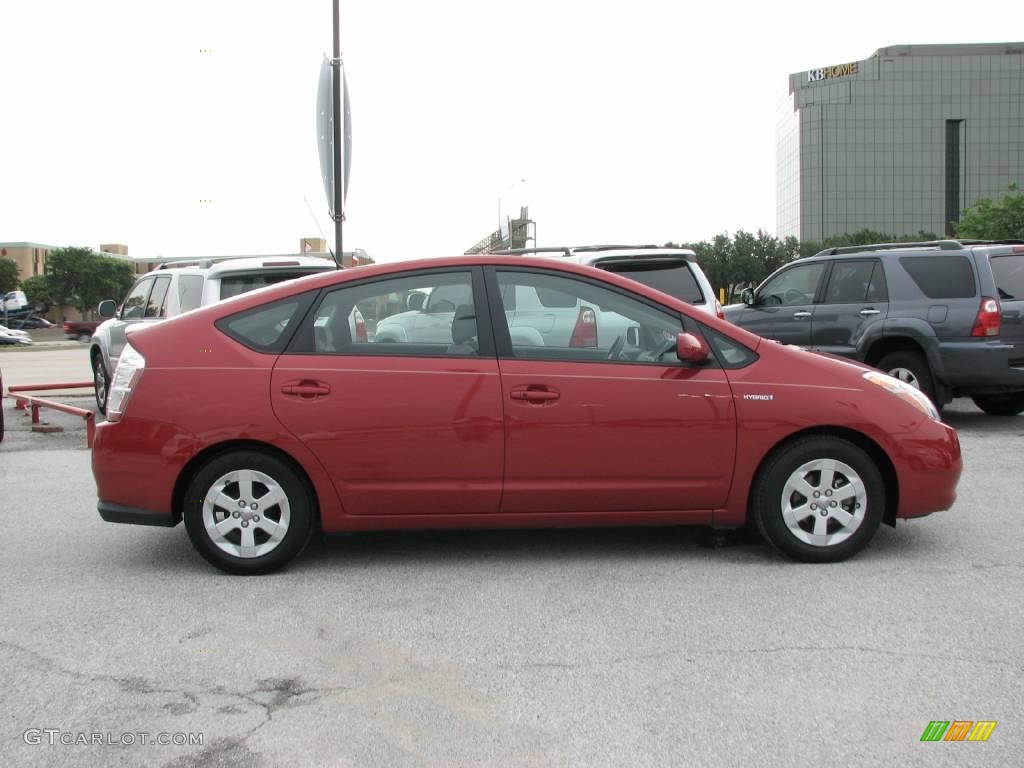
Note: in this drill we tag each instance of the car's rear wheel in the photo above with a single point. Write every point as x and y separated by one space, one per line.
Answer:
84 336
911 368
101 379
248 512
819 499
1001 405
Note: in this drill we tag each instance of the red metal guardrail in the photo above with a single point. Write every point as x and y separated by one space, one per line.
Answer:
21 402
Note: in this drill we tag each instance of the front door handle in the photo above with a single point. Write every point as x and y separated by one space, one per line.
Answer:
869 312
801 315
535 394
306 390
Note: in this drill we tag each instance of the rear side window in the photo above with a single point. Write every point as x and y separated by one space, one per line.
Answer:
235 285
941 277
1009 274
190 292
266 328
675 279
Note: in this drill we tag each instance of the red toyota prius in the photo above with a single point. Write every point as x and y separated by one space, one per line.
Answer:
498 391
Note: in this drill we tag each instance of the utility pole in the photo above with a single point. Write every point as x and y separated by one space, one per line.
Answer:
339 181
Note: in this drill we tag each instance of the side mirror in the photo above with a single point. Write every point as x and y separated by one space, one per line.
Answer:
106 309
691 349
748 296
415 301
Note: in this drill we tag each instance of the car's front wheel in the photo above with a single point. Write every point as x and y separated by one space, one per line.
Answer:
819 499
248 512
101 379
1001 405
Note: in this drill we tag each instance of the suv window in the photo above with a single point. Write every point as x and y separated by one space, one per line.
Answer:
1008 272
190 292
674 278
941 277
877 289
135 305
156 306
235 285
849 282
794 287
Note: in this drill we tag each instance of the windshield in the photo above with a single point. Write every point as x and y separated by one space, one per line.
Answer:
674 278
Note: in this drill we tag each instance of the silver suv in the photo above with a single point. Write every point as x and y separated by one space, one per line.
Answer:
172 290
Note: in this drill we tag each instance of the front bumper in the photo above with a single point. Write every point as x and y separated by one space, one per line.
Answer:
928 467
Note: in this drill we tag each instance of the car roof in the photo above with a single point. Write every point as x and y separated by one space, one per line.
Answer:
593 254
902 248
249 263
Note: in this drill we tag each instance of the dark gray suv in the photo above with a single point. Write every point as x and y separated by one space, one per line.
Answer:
945 316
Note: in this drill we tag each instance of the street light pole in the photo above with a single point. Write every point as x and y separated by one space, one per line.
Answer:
339 196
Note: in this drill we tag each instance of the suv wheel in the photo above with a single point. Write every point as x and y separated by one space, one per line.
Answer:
910 368
819 500
101 379
1001 405
248 512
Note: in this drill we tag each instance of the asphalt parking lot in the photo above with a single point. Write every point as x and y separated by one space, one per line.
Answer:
526 648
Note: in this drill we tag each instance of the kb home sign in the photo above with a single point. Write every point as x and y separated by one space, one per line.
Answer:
827 73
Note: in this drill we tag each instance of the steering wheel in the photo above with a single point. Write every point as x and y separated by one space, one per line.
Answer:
795 296
616 348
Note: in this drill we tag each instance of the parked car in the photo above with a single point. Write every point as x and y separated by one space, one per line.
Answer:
10 336
29 322
170 291
82 330
251 426
946 317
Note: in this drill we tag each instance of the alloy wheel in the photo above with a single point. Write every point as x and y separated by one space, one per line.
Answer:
246 513
823 502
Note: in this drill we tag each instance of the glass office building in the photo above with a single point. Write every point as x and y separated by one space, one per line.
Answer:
901 142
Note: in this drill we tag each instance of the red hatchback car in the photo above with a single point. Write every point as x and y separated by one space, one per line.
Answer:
499 399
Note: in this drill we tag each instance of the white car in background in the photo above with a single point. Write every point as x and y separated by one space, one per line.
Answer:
10 336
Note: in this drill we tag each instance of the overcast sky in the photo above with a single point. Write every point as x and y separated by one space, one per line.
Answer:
630 121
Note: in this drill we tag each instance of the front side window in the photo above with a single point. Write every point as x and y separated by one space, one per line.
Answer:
392 317
849 282
591 323
156 306
795 287
134 307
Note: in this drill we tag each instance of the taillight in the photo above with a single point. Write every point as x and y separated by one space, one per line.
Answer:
130 367
989 319
67 326
718 310
360 327
584 334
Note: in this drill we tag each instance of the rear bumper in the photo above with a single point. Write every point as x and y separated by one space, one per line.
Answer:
116 513
983 366
928 468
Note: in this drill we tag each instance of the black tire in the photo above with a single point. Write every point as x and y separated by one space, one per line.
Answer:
297 513
84 336
1001 405
767 502
101 383
913 363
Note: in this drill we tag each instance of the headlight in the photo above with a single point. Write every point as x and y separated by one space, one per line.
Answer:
129 369
904 391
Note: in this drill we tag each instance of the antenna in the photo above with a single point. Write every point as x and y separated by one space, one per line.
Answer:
321 230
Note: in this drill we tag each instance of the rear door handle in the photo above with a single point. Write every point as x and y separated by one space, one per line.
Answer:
535 394
306 390
869 312
801 315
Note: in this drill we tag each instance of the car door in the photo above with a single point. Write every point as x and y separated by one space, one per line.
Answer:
403 427
133 311
609 428
854 300
784 304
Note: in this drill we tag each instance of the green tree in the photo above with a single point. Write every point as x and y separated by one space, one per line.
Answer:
989 220
81 278
37 290
8 275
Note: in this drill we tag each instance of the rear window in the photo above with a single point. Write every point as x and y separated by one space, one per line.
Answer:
675 279
941 277
235 285
1009 274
